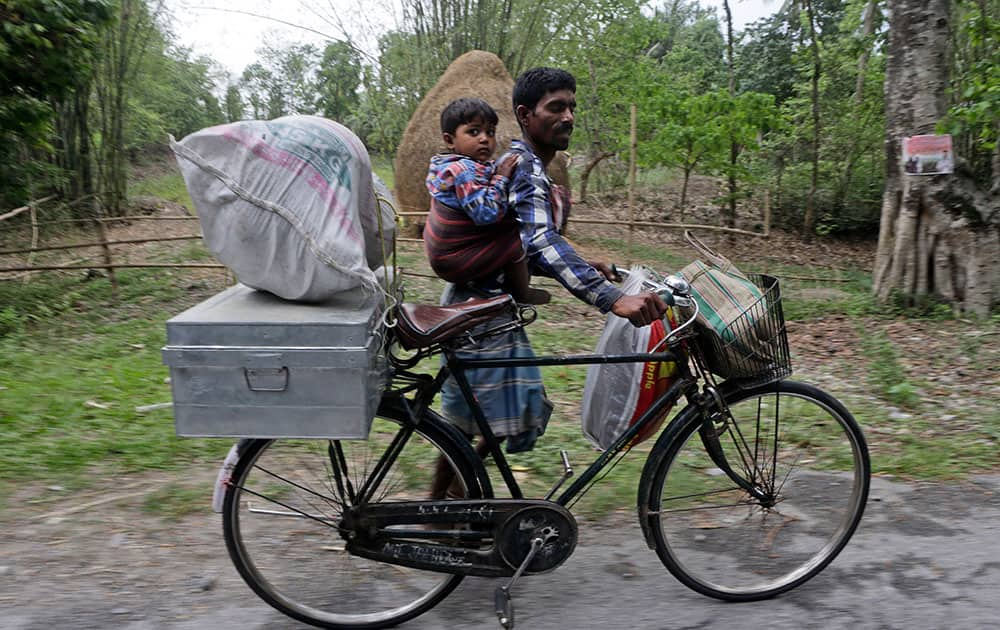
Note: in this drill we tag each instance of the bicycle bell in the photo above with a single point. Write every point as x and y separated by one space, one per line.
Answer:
678 285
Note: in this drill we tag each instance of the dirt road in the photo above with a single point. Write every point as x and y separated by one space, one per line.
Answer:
925 556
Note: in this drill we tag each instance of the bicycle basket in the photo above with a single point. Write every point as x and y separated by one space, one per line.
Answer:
751 348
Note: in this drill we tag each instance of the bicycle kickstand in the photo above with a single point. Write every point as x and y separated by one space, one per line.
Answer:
501 597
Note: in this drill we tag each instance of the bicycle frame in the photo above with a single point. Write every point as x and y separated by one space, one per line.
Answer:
457 367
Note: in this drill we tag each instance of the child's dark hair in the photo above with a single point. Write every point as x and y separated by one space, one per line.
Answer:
533 84
462 111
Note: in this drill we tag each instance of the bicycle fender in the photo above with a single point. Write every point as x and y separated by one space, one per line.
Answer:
646 520
225 474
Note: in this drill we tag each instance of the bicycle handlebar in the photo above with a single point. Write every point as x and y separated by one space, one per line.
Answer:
674 290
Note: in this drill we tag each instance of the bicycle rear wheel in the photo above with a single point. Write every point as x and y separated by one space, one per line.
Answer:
284 504
806 460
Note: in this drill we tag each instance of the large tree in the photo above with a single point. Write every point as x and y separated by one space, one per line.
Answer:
939 234
125 44
338 79
46 49
282 81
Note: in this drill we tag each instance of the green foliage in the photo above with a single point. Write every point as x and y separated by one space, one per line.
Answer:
695 131
764 63
45 45
10 321
688 44
975 117
920 305
775 58
282 81
173 95
338 79
610 77
657 63
384 106
234 106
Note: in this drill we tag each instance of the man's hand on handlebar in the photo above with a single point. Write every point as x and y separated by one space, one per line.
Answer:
640 310
608 271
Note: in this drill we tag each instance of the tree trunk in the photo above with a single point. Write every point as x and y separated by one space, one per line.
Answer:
809 221
853 154
585 173
684 192
939 234
868 30
85 170
65 145
597 152
729 215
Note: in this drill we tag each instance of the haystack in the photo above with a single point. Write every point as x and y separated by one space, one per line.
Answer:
474 74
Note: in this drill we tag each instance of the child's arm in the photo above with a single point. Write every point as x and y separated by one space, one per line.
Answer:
485 204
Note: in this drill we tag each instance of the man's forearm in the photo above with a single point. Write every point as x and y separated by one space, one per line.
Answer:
556 258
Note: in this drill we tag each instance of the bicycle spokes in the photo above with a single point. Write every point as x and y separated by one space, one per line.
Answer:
763 504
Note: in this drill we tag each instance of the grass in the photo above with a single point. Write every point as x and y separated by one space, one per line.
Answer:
925 446
73 369
173 501
169 186
885 373
383 167
189 252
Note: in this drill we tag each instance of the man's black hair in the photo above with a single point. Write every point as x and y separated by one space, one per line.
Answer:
533 84
463 111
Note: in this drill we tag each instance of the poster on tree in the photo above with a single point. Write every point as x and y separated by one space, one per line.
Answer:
928 155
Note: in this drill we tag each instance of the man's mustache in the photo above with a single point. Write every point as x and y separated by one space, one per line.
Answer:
565 127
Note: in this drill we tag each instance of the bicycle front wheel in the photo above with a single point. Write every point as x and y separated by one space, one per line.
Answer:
747 506
282 516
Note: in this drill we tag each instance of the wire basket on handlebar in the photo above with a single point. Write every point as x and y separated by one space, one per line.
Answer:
752 348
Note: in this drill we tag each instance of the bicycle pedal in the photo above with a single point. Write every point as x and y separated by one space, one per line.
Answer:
501 596
504 607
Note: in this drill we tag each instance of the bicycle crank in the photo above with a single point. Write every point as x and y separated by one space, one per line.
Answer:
541 529
484 537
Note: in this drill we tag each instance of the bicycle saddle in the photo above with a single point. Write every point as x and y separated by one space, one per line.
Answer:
422 325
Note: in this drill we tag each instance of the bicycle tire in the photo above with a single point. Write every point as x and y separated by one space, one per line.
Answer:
297 563
813 473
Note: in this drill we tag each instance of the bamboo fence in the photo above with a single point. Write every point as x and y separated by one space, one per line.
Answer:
107 257
99 224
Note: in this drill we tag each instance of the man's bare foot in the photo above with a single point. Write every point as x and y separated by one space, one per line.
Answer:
535 297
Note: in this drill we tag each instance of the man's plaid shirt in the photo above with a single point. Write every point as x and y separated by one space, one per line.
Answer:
548 252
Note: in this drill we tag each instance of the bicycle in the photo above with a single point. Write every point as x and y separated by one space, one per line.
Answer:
752 489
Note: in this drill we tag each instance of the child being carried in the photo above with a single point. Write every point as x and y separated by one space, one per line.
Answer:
471 232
